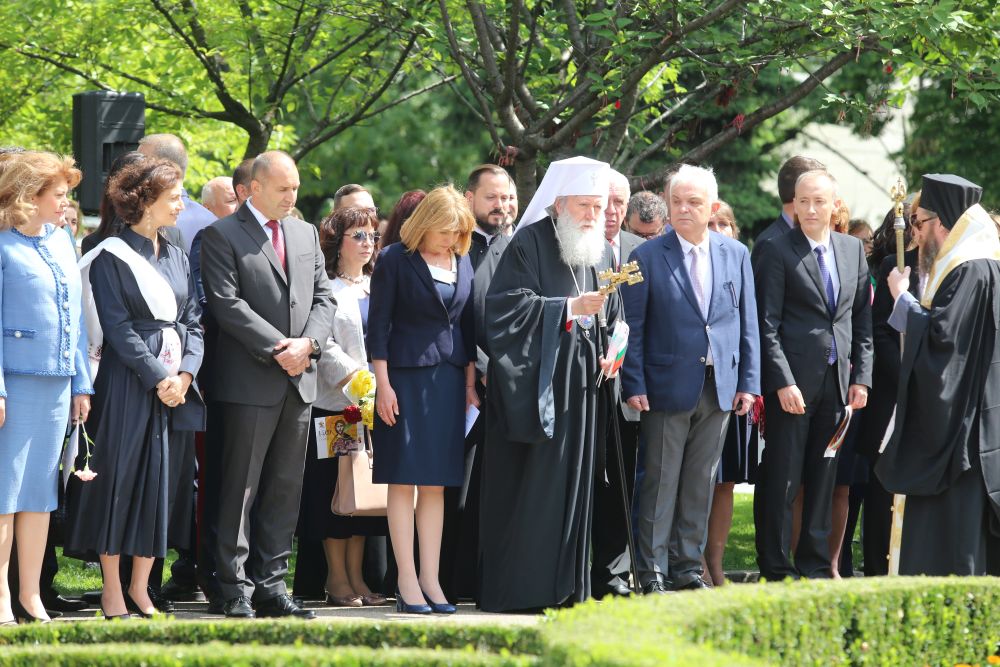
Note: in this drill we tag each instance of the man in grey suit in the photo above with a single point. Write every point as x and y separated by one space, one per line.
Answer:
787 176
266 284
609 574
814 301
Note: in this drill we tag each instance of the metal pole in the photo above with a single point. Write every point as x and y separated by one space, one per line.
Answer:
898 193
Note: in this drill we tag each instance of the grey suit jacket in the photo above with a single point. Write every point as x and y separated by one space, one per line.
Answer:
629 243
256 304
796 329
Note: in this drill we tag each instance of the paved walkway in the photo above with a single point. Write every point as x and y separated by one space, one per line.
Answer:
467 613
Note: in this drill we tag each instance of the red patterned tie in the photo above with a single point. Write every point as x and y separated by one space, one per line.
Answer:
277 241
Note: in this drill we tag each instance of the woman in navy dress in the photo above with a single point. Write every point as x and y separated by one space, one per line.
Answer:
422 345
143 387
738 464
43 365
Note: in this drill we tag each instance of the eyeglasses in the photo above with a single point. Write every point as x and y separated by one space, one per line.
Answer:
918 223
361 237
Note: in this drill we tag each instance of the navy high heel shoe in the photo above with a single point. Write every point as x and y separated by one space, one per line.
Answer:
440 608
404 608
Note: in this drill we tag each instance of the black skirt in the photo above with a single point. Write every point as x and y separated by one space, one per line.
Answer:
316 521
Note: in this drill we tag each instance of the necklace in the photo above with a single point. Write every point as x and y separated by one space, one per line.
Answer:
353 281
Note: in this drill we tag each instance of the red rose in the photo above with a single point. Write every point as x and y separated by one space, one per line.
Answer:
352 414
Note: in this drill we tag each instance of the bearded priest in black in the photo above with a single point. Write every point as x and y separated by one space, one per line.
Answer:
543 316
944 453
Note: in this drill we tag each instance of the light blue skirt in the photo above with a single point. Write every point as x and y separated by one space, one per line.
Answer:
31 442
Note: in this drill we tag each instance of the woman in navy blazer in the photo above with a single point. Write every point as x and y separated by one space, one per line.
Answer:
422 345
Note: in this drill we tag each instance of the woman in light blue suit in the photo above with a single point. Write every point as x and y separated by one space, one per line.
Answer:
43 361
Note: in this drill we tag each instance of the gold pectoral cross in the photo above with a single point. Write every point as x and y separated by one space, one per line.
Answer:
628 275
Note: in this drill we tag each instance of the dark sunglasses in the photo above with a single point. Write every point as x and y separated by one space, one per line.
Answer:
361 237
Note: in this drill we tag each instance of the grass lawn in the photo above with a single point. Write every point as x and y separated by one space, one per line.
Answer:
75 578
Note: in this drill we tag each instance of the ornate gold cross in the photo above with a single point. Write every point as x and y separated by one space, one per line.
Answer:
628 275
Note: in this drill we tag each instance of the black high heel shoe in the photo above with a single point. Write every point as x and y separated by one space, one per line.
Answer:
21 614
404 608
439 607
120 617
133 607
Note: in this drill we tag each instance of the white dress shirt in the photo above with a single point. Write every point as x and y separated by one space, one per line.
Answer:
616 248
262 220
704 276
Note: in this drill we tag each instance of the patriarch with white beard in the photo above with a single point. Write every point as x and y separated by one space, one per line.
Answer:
541 443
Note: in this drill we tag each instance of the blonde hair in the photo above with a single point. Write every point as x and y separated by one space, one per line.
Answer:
725 212
29 174
840 219
444 209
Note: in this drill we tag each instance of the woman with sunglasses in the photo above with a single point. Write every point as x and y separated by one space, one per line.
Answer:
348 239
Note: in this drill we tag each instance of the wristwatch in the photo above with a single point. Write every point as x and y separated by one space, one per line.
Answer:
316 349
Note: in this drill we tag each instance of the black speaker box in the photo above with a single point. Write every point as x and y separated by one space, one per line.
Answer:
106 124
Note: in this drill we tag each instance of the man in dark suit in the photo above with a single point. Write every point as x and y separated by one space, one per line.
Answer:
489 191
813 295
787 176
685 373
266 285
609 573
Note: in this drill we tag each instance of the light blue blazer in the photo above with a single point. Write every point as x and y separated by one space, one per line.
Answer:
40 309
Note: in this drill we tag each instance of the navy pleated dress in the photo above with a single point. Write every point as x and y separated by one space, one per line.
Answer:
124 510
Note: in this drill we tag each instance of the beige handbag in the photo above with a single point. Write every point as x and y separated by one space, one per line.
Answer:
355 494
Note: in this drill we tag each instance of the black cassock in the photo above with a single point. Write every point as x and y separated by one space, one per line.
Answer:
944 453
541 429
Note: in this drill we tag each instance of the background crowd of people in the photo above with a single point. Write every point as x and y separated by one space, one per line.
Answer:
202 345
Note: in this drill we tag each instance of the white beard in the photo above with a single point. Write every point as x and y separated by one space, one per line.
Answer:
579 247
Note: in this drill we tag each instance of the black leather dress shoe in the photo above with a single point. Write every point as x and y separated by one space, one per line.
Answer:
656 587
698 584
618 589
181 592
60 603
238 608
282 606
161 603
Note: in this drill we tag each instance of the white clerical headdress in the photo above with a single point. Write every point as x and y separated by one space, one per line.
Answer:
572 176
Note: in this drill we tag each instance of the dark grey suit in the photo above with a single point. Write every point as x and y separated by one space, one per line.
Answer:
265 412
777 228
796 333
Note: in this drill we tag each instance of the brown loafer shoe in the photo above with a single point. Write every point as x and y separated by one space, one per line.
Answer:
346 601
373 599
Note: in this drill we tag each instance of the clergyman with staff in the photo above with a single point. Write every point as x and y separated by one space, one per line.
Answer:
542 328
944 453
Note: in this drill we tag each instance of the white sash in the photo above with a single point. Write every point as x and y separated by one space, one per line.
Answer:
155 290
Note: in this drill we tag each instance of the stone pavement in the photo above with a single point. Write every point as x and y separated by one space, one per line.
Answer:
467 613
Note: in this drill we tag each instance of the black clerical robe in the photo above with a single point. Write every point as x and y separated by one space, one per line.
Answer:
541 436
944 453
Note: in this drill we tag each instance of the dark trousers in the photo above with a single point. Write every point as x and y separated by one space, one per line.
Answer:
876 525
793 457
460 536
263 459
209 481
609 534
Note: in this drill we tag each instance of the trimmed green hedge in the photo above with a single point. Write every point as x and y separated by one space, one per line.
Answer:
224 655
513 639
890 622
864 623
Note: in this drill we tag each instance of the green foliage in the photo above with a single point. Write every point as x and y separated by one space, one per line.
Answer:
952 135
221 655
276 633
898 621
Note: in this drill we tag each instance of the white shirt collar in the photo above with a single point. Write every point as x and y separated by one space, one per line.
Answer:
617 240
815 244
262 219
687 245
